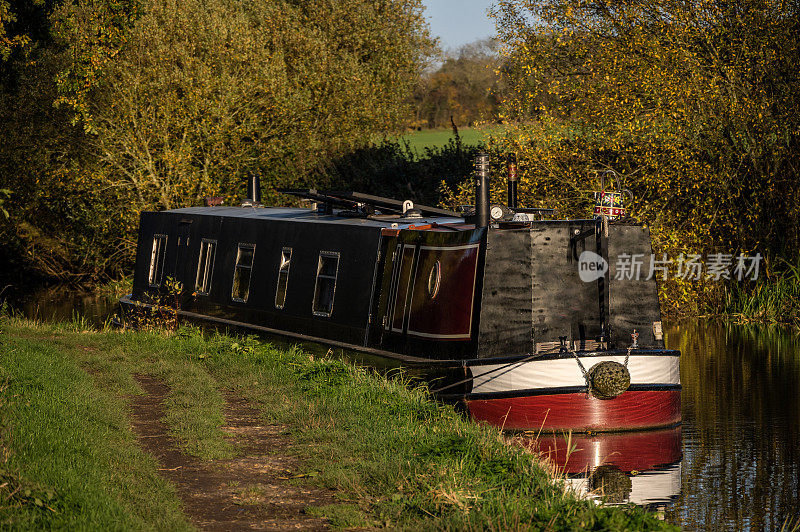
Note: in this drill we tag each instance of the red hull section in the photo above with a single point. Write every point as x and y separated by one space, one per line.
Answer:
633 410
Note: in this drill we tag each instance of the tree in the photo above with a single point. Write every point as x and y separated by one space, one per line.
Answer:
23 25
696 100
8 41
204 92
160 104
465 87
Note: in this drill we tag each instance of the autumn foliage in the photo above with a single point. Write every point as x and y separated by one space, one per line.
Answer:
110 108
696 103
465 88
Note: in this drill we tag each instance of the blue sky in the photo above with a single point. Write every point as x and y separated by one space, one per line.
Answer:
459 22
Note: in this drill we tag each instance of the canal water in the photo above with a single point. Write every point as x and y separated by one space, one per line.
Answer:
56 304
741 427
733 464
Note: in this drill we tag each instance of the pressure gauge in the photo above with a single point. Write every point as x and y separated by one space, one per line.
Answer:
496 212
499 213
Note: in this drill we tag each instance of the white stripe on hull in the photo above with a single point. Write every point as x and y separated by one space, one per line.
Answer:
542 374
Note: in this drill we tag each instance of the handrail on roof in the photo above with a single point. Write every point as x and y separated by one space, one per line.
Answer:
355 199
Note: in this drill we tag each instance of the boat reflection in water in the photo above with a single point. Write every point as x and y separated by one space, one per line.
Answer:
643 468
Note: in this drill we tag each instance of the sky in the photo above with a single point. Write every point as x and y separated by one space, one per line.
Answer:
458 22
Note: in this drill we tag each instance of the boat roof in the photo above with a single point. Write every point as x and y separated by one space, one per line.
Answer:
312 216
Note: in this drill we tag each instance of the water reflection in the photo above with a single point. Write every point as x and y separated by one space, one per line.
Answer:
741 415
630 467
57 304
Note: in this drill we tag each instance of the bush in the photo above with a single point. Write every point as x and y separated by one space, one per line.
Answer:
162 104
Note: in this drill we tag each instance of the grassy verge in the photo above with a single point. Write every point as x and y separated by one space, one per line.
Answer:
395 458
69 459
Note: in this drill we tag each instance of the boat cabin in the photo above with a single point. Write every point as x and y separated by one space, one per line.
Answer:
471 291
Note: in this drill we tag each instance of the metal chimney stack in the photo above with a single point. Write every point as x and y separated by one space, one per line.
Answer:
254 189
511 165
482 190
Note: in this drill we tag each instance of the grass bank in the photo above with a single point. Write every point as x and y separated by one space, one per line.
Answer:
393 458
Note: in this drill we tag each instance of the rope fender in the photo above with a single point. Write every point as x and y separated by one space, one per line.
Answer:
607 379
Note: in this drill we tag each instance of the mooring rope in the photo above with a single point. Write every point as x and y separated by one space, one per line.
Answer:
521 361
634 345
581 366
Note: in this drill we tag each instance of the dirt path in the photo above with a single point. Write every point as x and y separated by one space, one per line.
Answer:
245 493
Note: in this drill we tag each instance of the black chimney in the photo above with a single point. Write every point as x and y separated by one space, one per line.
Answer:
254 189
482 190
511 164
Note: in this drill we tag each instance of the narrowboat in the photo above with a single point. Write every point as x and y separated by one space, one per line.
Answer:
526 321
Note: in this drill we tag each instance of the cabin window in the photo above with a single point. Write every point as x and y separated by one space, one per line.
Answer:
327 270
205 266
157 260
242 272
283 277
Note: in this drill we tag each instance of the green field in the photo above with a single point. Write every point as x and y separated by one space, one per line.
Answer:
434 138
386 455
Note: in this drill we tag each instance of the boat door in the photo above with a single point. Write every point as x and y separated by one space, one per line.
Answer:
399 299
392 299
182 258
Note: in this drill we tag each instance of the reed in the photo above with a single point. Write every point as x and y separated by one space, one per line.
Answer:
773 298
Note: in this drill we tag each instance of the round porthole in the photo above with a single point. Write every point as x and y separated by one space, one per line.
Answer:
434 279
